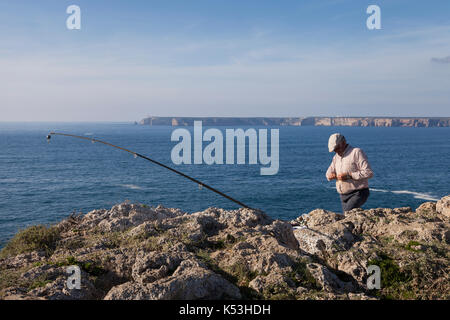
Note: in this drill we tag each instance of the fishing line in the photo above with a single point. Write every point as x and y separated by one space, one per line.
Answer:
135 154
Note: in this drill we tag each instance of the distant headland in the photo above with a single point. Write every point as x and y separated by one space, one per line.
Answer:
301 121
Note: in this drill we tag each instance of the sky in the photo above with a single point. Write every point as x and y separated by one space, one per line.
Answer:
276 58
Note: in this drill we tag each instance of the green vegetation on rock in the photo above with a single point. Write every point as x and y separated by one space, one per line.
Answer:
35 238
393 280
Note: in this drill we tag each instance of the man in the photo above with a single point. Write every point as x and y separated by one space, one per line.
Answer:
351 169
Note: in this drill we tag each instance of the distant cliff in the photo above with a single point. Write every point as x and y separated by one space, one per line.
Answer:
299 121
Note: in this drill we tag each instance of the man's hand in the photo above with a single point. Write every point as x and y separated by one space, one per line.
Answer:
344 177
331 176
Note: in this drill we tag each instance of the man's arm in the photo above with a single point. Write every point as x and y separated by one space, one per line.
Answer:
364 169
331 172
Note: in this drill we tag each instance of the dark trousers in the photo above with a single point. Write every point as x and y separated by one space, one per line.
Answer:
354 199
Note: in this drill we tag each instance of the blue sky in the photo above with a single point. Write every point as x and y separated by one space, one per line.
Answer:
222 58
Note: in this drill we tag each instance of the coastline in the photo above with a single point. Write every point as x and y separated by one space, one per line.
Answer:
301 121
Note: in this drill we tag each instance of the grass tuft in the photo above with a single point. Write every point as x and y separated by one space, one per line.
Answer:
412 244
41 238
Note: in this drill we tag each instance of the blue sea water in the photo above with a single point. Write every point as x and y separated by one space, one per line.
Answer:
41 183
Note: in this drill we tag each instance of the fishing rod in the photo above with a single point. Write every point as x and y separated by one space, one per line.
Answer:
201 184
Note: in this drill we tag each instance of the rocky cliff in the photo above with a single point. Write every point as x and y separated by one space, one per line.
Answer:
134 251
293 121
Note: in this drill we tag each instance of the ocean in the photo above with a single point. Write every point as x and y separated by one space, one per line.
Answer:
42 183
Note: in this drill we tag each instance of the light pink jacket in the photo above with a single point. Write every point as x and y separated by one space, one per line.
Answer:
354 162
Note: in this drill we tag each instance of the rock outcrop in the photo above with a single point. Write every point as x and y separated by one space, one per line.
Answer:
134 251
302 121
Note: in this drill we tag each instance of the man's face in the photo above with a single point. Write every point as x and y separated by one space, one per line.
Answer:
339 149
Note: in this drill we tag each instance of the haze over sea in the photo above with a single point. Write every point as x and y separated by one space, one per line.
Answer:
41 183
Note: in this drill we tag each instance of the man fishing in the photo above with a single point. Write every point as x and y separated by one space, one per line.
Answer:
351 169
